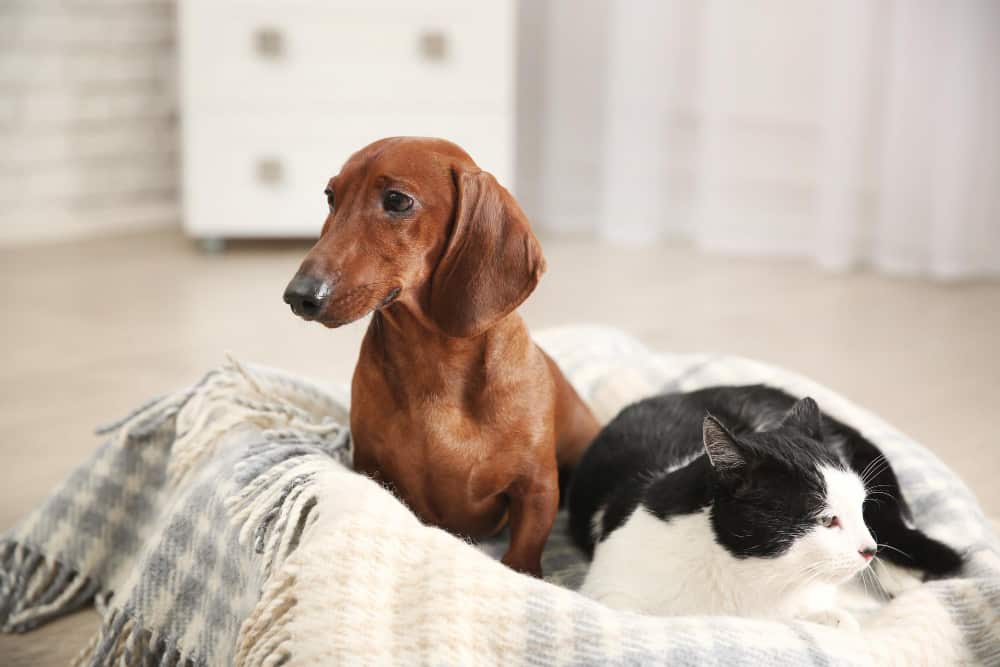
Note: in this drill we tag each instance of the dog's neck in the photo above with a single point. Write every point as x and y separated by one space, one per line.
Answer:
406 344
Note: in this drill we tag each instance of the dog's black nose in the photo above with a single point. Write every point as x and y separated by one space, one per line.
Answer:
306 295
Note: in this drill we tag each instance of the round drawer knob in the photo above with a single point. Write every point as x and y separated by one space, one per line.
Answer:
269 43
433 45
270 171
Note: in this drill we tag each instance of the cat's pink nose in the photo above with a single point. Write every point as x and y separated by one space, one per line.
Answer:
867 553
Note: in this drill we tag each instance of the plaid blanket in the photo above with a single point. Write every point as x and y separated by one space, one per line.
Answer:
221 524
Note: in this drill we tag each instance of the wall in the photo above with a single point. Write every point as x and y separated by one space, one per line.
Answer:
88 129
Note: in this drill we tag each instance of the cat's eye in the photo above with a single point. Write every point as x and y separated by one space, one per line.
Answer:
396 202
829 521
329 198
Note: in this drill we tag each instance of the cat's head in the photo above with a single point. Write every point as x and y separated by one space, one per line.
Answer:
784 494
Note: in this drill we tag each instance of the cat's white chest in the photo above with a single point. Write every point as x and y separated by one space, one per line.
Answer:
676 567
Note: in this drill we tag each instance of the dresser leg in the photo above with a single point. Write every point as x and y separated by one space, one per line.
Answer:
212 245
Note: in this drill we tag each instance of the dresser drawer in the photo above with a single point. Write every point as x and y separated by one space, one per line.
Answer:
263 175
371 58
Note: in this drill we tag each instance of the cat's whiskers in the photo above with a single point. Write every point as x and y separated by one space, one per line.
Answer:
864 472
882 493
896 549
874 468
874 574
879 489
809 574
864 580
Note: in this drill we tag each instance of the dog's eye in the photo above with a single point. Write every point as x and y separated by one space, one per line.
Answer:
829 521
329 197
396 202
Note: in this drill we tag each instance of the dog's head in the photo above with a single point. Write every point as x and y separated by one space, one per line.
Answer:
414 220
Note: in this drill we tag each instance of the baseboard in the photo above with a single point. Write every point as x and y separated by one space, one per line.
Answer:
49 227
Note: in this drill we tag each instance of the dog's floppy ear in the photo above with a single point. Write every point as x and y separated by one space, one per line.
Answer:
492 260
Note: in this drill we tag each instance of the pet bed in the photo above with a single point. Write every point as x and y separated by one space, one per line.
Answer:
222 525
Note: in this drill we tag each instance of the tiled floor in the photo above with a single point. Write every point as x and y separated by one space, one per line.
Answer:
92 329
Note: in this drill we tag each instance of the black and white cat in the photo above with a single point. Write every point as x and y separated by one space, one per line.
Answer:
738 500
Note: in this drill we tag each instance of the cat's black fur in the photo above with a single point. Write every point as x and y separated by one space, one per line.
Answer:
758 512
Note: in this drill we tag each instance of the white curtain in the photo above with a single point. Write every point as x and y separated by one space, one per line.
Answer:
856 132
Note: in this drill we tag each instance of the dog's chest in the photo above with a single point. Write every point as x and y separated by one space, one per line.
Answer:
449 467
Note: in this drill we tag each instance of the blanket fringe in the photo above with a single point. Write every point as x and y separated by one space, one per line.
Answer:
34 588
305 421
264 635
121 641
274 509
155 410
235 397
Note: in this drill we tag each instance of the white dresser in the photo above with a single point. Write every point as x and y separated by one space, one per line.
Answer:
276 95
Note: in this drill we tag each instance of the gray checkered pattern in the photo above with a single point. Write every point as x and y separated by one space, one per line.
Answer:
181 561
170 557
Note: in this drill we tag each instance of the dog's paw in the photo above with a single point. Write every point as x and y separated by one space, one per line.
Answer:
836 618
524 566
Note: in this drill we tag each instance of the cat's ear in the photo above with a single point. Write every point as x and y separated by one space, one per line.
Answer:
805 415
723 452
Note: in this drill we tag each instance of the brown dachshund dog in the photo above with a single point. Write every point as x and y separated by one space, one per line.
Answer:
452 404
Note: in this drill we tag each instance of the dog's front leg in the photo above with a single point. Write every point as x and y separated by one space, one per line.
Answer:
534 503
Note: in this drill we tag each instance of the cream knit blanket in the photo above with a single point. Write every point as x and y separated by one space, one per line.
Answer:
219 526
